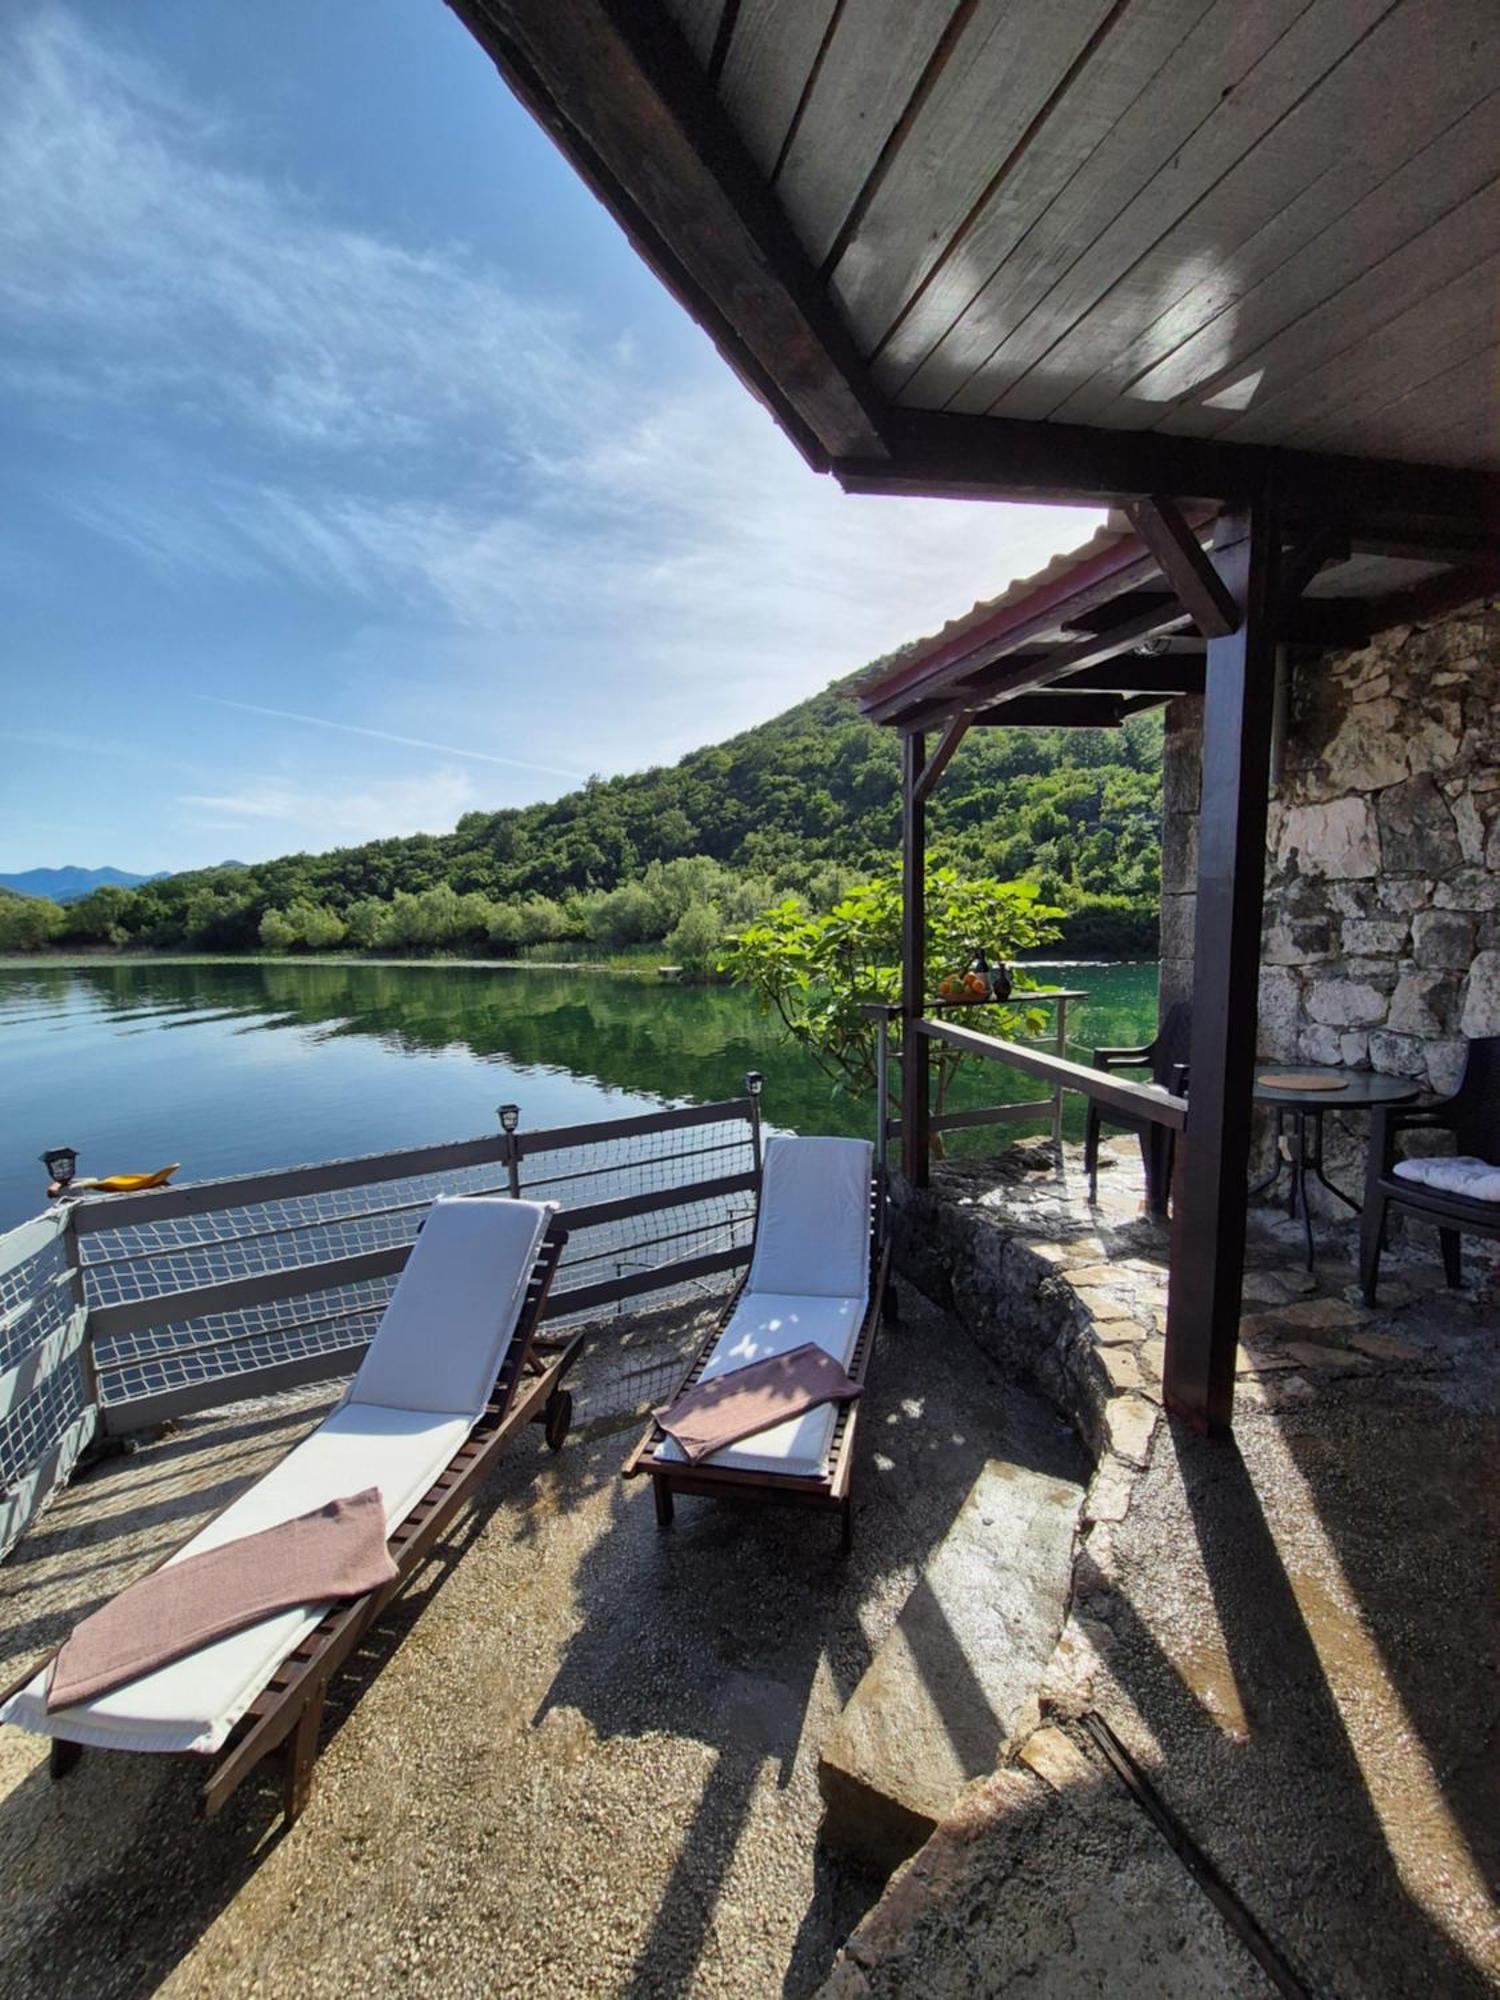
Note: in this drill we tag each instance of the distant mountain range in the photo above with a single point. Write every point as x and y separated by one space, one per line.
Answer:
66 885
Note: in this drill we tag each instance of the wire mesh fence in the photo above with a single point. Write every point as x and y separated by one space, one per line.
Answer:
127 1310
235 1286
47 1409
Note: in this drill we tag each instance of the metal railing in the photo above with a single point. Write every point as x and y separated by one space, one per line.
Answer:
117 1312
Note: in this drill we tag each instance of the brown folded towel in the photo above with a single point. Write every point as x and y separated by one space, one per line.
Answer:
751 1399
338 1551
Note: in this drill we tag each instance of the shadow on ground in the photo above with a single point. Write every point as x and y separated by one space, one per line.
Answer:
580 1756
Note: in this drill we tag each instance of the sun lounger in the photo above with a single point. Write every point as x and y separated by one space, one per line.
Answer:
455 1369
817 1274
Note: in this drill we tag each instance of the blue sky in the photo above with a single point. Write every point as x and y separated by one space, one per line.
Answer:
357 473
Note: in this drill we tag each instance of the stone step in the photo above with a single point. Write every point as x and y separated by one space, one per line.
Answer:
957 1670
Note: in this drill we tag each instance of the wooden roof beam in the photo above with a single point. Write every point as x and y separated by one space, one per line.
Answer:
617 89
939 454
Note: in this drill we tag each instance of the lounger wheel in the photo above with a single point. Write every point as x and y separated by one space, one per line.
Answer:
558 1420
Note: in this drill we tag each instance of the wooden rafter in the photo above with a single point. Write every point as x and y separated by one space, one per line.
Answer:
617 88
1159 522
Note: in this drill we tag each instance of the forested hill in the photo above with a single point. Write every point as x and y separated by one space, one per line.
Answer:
805 801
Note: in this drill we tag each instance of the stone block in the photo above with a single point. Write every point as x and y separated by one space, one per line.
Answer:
1445 1063
1417 833
1319 1045
1468 889
1398 1055
1177 913
1182 756
1179 853
1280 1006
1337 841
1481 1010
1375 937
964 1659
1367 752
1298 941
1421 1003
1130 1424
1442 940
1469 821
1354 1049
1346 1003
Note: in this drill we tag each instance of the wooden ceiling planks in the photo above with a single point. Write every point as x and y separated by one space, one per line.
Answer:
1341 322
988 99
773 54
940 334
1393 96
1353 392
1057 344
1173 228
875 61
699 21
1224 89
1434 219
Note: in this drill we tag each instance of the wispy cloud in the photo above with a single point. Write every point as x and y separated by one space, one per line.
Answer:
427 804
389 736
508 528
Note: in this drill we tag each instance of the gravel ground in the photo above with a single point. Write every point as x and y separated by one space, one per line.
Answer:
587 1767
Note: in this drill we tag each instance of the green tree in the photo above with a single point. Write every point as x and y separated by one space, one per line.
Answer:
817 973
277 932
697 936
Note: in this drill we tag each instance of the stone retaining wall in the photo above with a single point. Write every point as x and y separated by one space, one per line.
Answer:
1067 1298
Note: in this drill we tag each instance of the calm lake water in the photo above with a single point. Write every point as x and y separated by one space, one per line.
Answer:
231 1067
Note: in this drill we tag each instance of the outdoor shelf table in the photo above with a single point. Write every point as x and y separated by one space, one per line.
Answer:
1344 1090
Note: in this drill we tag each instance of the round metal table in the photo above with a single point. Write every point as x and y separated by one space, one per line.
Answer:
1358 1090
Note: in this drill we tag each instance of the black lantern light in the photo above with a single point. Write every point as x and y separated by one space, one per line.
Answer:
754 1082
61 1163
509 1116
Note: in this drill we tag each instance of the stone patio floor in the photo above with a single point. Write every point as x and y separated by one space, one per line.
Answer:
1296 1634
588 1767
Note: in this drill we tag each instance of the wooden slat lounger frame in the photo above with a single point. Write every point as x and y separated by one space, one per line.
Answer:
288 1712
828 1490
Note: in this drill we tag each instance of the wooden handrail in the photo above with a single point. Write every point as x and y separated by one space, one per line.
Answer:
1140 1100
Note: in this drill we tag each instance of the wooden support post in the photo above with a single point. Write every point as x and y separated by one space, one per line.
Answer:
916 1053
1208 1224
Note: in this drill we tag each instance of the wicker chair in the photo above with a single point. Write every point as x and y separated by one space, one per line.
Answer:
1472 1115
1167 1059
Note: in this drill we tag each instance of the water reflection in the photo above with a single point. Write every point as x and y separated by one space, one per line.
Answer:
269 1064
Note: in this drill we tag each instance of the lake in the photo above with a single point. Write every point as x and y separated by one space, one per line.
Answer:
232 1066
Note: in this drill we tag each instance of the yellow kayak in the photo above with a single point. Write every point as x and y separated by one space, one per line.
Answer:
128 1183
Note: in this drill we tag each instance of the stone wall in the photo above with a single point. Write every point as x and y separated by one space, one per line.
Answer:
1382 931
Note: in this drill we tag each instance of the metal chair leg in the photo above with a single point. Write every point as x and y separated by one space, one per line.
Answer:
1449 1240
1371 1239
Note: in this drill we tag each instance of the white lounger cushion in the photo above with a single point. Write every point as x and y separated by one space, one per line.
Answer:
767 1323
194 1703
812 1236
444 1333
1474 1179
